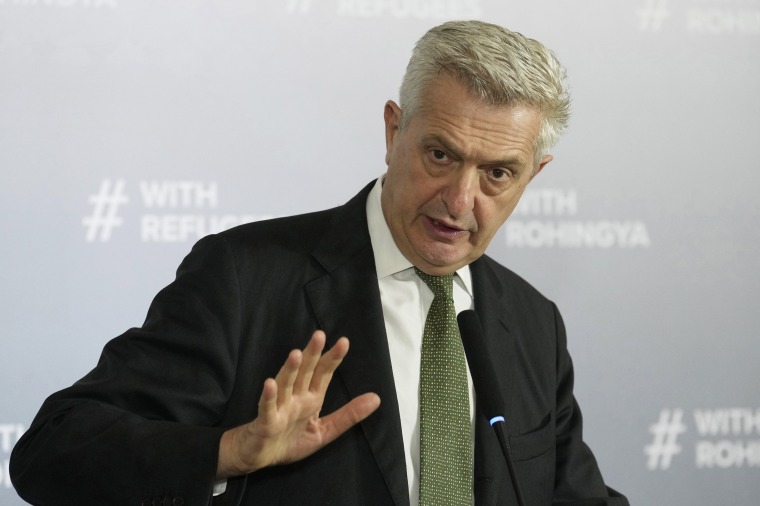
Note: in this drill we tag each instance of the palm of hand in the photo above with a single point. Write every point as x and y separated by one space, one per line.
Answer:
288 427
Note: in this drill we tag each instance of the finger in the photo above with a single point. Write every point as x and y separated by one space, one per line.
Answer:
327 365
338 422
268 401
311 356
287 376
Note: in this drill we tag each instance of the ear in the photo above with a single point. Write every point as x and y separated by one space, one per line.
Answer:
541 165
392 116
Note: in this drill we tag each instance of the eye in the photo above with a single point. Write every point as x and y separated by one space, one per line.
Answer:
438 155
499 174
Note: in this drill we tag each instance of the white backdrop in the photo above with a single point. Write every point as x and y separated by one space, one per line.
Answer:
128 129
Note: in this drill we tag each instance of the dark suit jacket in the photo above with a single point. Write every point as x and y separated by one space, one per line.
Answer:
143 427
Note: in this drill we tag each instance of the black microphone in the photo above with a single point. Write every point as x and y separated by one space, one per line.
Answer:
483 375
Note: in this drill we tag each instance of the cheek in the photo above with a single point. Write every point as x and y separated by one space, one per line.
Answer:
418 190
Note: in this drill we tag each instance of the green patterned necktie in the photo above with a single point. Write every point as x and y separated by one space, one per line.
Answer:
445 430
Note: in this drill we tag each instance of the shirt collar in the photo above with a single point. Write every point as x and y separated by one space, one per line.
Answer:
388 258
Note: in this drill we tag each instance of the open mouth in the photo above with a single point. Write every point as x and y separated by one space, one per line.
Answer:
444 230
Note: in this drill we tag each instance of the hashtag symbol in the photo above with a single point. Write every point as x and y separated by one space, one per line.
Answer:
653 14
105 205
666 432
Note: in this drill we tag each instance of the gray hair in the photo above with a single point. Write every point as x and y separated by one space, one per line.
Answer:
497 65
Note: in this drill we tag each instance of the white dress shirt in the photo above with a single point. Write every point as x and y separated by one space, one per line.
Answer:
406 300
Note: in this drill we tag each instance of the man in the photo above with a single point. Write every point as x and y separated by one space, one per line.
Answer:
194 404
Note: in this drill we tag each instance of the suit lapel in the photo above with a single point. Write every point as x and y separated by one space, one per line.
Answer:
346 302
491 478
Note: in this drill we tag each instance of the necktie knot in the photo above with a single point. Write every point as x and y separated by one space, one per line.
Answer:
441 286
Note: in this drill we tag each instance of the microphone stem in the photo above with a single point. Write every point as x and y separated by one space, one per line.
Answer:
498 426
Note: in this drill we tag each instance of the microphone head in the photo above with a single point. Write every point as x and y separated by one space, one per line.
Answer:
483 374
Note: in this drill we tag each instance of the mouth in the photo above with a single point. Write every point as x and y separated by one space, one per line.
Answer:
444 231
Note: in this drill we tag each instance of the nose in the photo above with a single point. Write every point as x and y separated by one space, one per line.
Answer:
459 191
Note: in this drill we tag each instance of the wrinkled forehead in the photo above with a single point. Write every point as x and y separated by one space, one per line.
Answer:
476 92
450 95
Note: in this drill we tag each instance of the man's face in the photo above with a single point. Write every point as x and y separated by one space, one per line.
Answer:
455 174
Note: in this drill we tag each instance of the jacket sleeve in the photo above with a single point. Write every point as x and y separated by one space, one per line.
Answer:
578 481
141 428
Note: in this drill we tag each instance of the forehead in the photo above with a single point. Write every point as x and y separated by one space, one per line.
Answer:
449 111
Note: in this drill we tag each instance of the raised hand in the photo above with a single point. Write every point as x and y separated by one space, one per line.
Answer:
288 426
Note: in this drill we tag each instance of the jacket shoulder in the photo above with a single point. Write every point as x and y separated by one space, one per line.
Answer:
510 280
300 231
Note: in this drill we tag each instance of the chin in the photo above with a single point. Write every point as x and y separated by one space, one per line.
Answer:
444 266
